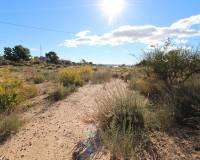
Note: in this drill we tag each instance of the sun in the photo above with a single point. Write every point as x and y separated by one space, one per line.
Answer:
112 8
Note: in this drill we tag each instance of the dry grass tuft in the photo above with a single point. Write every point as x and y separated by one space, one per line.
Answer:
121 121
8 125
60 92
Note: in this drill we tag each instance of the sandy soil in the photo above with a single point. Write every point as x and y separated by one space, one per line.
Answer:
53 131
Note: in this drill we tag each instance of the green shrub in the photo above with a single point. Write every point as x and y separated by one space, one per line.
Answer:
121 122
101 76
178 70
173 66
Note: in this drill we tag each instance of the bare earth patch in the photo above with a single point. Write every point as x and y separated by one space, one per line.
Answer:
53 133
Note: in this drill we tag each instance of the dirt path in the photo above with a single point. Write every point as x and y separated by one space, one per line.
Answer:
52 134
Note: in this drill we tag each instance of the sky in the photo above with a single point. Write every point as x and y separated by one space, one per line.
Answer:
94 31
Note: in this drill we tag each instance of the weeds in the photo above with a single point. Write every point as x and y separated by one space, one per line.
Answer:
28 91
38 78
158 117
60 92
151 87
101 76
8 125
187 102
50 75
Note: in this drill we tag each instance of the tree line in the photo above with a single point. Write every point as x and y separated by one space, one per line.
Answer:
20 53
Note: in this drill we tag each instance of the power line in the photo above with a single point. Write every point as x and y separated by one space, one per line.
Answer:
35 27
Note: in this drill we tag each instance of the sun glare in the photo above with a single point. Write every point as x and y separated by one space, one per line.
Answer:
112 8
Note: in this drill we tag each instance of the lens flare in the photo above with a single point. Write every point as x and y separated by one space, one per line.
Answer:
112 8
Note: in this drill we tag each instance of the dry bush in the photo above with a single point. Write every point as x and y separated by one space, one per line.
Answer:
38 78
158 117
50 75
60 92
101 76
8 125
39 75
187 103
151 87
28 91
29 74
121 122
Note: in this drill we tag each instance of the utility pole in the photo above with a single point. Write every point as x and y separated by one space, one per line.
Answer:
40 50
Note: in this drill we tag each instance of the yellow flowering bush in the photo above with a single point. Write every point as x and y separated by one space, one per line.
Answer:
9 94
70 76
85 69
75 76
85 72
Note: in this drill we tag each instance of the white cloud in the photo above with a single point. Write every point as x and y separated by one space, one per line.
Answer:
186 23
146 34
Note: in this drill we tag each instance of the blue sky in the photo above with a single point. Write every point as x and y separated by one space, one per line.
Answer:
88 34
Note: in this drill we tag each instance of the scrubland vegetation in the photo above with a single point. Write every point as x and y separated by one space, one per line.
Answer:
160 94
101 76
19 85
